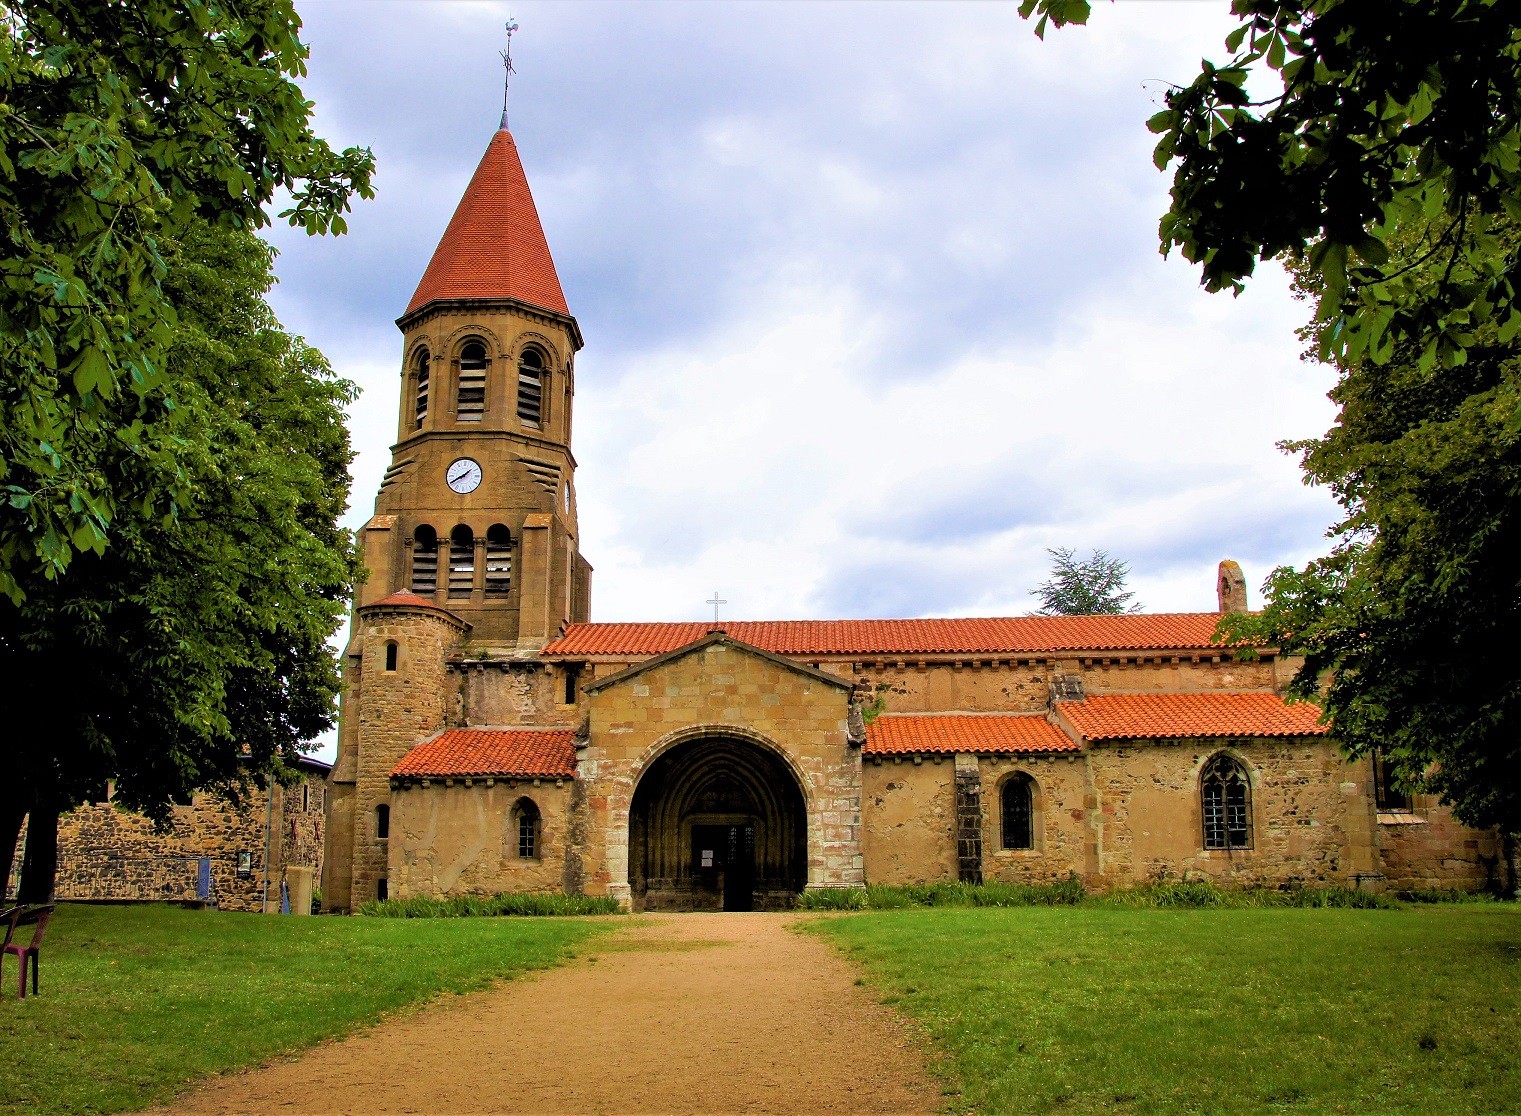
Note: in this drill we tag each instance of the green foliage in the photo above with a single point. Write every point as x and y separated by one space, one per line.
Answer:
1401 623
194 650
535 904
1085 587
122 127
1094 1009
880 897
1381 117
1190 894
140 1002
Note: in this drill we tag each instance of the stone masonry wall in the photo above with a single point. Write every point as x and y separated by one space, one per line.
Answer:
1062 838
463 838
721 689
1311 815
105 852
395 711
908 820
1426 847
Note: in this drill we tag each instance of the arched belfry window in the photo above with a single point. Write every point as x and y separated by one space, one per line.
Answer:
526 815
461 561
498 561
1017 811
473 364
420 374
424 560
1226 797
531 377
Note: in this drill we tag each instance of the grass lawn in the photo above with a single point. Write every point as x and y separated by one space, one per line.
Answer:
138 1001
1158 1011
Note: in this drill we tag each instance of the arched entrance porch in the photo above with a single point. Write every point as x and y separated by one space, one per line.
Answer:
717 823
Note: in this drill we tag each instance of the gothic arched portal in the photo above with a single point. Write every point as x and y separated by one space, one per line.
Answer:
717 823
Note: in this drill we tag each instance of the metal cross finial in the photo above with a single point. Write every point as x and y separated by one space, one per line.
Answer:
512 25
715 602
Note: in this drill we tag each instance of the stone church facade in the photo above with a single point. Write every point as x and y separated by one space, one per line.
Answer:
493 739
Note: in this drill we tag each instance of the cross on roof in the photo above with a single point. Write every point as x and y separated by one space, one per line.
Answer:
715 602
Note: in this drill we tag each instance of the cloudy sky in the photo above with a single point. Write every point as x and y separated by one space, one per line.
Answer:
873 308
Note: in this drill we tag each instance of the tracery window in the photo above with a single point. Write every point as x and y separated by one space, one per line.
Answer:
424 560
531 375
471 401
528 829
420 390
498 561
1226 795
461 561
1017 811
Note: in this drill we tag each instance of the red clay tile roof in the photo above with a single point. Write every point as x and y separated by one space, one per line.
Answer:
1005 635
505 753
1128 716
494 246
965 732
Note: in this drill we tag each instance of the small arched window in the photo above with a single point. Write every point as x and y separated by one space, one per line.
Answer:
382 822
527 815
470 404
498 561
1226 797
424 560
420 389
531 372
391 655
1017 812
461 561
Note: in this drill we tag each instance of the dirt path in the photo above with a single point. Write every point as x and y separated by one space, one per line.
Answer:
677 1014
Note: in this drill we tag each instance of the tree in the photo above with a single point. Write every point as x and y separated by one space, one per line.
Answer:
1399 114
193 652
1084 588
122 126
1404 625
1387 170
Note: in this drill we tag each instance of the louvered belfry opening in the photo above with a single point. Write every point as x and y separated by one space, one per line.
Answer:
424 561
531 387
461 561
420 398
473 364
498 561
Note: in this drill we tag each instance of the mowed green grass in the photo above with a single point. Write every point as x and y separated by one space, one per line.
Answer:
138 1002
1081 1010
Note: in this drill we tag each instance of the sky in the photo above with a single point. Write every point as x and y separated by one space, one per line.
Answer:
873 307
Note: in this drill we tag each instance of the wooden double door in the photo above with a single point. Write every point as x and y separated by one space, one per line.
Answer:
723 860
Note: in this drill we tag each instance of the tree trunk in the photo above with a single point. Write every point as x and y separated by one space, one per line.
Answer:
12 815
39 867
1508 851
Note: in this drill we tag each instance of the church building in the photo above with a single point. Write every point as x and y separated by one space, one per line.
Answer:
493 739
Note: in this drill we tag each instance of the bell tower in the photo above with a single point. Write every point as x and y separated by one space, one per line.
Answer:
477 512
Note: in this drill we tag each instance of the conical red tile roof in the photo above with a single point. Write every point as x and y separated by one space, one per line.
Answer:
494 246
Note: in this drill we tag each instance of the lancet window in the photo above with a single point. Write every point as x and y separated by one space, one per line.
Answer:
1226 794
528 829
1017 810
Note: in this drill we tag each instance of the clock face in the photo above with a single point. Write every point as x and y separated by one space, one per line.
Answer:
464 475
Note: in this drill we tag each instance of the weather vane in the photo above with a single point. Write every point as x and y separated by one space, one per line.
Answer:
512 25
